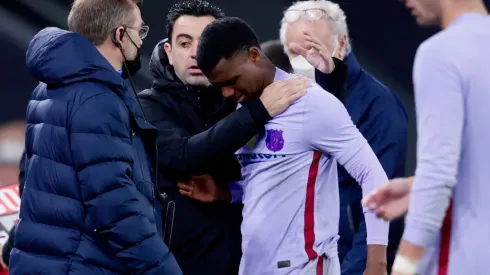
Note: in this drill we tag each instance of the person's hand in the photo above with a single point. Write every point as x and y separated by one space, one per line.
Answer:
203 188
280 94
317 53
391 200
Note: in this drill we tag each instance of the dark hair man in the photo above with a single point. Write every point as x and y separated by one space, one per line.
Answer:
199 131
89 205
291 200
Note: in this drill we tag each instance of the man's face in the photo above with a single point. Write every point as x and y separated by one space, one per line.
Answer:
130 49
426 12
240 76
182 52
318 28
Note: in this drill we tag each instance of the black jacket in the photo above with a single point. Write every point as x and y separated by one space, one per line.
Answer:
199 132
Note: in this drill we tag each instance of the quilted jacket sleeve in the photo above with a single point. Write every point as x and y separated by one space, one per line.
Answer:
102 155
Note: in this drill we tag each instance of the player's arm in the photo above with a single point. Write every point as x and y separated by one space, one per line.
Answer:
102 154
330 130
440 116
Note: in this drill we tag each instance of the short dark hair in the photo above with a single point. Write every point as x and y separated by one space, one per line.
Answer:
224 38
195 8
96 19
274 50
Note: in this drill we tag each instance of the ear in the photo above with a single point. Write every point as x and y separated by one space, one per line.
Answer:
254 54
168 51
342 46
118 36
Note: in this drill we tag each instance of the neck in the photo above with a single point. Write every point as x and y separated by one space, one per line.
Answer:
455 8
108 53
269 73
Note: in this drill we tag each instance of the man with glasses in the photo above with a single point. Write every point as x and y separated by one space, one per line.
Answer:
315 36
90 204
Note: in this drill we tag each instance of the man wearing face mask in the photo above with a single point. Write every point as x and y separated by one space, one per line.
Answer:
274 51
89 203
315 36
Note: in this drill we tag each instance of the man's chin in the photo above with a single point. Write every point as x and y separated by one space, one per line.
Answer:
200 81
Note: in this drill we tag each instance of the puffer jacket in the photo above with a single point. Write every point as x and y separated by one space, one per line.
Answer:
89 205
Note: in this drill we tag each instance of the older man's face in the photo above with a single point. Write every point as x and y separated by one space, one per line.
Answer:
318 28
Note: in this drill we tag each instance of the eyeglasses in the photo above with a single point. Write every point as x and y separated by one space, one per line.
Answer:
309 14
142 31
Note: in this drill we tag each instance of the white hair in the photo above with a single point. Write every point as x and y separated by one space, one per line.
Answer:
335 17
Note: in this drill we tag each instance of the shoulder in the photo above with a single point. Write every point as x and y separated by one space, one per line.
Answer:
442 55
93 100
148 94
156 96
380 99
158 105
444 46
317 100
316 107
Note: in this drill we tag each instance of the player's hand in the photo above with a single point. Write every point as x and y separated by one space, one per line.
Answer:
280 94
317 53
203 188
391 200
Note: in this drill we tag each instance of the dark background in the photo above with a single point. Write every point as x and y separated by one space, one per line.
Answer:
383 34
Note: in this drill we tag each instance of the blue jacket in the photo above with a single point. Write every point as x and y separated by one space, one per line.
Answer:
381 118
88 206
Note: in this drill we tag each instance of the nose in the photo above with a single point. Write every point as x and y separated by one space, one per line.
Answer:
227 92
194 50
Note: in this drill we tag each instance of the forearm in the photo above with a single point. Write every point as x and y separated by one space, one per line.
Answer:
368 172
194 154
429 201
376 254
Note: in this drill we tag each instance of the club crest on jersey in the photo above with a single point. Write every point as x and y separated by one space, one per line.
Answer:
274 140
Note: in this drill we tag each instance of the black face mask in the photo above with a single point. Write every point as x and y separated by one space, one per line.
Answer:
131 67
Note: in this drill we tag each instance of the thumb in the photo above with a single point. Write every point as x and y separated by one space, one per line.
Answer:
297 49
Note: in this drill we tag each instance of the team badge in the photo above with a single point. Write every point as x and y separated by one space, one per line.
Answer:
274 140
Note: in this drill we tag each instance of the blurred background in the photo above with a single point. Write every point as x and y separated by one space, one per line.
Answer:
384 37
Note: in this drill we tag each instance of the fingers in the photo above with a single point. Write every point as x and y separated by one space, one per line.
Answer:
324 55
314 42
377 197
185 193
297 49
186 187
298 85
